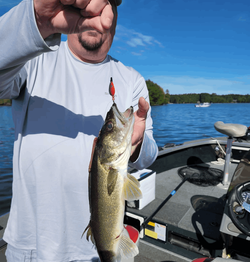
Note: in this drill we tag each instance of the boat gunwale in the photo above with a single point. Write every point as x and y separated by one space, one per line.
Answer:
199 142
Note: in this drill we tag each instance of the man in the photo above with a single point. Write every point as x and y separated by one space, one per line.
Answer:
59 105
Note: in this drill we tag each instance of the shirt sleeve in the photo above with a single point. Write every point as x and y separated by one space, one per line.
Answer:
148 153
149 148
20 42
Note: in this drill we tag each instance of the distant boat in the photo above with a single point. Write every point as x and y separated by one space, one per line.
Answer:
205 104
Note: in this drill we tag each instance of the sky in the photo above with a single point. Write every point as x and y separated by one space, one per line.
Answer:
185 46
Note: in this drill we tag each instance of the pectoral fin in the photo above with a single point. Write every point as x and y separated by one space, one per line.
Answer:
127 246
131 190
134 180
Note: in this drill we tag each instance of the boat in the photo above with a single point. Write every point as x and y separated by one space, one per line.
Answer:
205 104
201 200
196 201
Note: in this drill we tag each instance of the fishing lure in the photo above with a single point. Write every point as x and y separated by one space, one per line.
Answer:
112 89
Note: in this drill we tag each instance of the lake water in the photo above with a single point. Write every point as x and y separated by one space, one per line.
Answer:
172 124
6 145
177 123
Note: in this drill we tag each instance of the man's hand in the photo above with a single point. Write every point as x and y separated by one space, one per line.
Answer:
139 128
72 16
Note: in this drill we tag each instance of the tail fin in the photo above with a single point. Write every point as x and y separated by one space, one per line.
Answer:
127 246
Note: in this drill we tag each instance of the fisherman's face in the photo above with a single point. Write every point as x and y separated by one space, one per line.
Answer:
91 45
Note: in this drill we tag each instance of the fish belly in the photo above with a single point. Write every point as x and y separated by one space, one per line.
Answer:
107 214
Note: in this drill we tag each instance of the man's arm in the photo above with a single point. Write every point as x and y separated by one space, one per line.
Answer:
24 28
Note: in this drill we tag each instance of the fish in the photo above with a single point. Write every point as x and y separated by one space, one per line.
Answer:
110 186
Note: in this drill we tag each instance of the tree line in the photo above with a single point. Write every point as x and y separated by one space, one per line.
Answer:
211 98
5 102
157 96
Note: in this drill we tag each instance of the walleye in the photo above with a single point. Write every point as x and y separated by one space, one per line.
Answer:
110 185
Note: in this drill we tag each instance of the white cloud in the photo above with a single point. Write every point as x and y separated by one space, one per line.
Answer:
133 38
242 18
187 84
135 42
145 38
136 54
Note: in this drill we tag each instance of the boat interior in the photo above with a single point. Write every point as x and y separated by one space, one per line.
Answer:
192 187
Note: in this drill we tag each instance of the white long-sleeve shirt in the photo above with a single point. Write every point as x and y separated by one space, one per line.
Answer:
59 105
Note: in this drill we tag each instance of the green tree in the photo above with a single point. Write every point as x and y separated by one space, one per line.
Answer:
156 93
167 97
213 98
205 97
6 102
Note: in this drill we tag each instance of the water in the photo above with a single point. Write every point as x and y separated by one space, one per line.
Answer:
6 145
177 123
172 124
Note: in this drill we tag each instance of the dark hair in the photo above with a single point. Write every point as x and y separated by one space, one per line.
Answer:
113 4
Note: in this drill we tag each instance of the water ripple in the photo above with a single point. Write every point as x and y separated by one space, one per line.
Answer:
184 122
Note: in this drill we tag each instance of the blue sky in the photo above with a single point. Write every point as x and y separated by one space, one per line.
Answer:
185 46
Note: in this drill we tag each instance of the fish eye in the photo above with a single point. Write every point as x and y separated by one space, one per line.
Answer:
109 126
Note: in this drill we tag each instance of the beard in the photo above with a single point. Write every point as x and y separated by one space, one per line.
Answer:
88 45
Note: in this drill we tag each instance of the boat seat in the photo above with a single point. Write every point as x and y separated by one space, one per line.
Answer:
231 130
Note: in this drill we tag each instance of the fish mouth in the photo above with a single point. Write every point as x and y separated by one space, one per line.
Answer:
124 122
123 116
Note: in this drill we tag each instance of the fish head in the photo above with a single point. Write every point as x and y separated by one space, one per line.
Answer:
115 136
